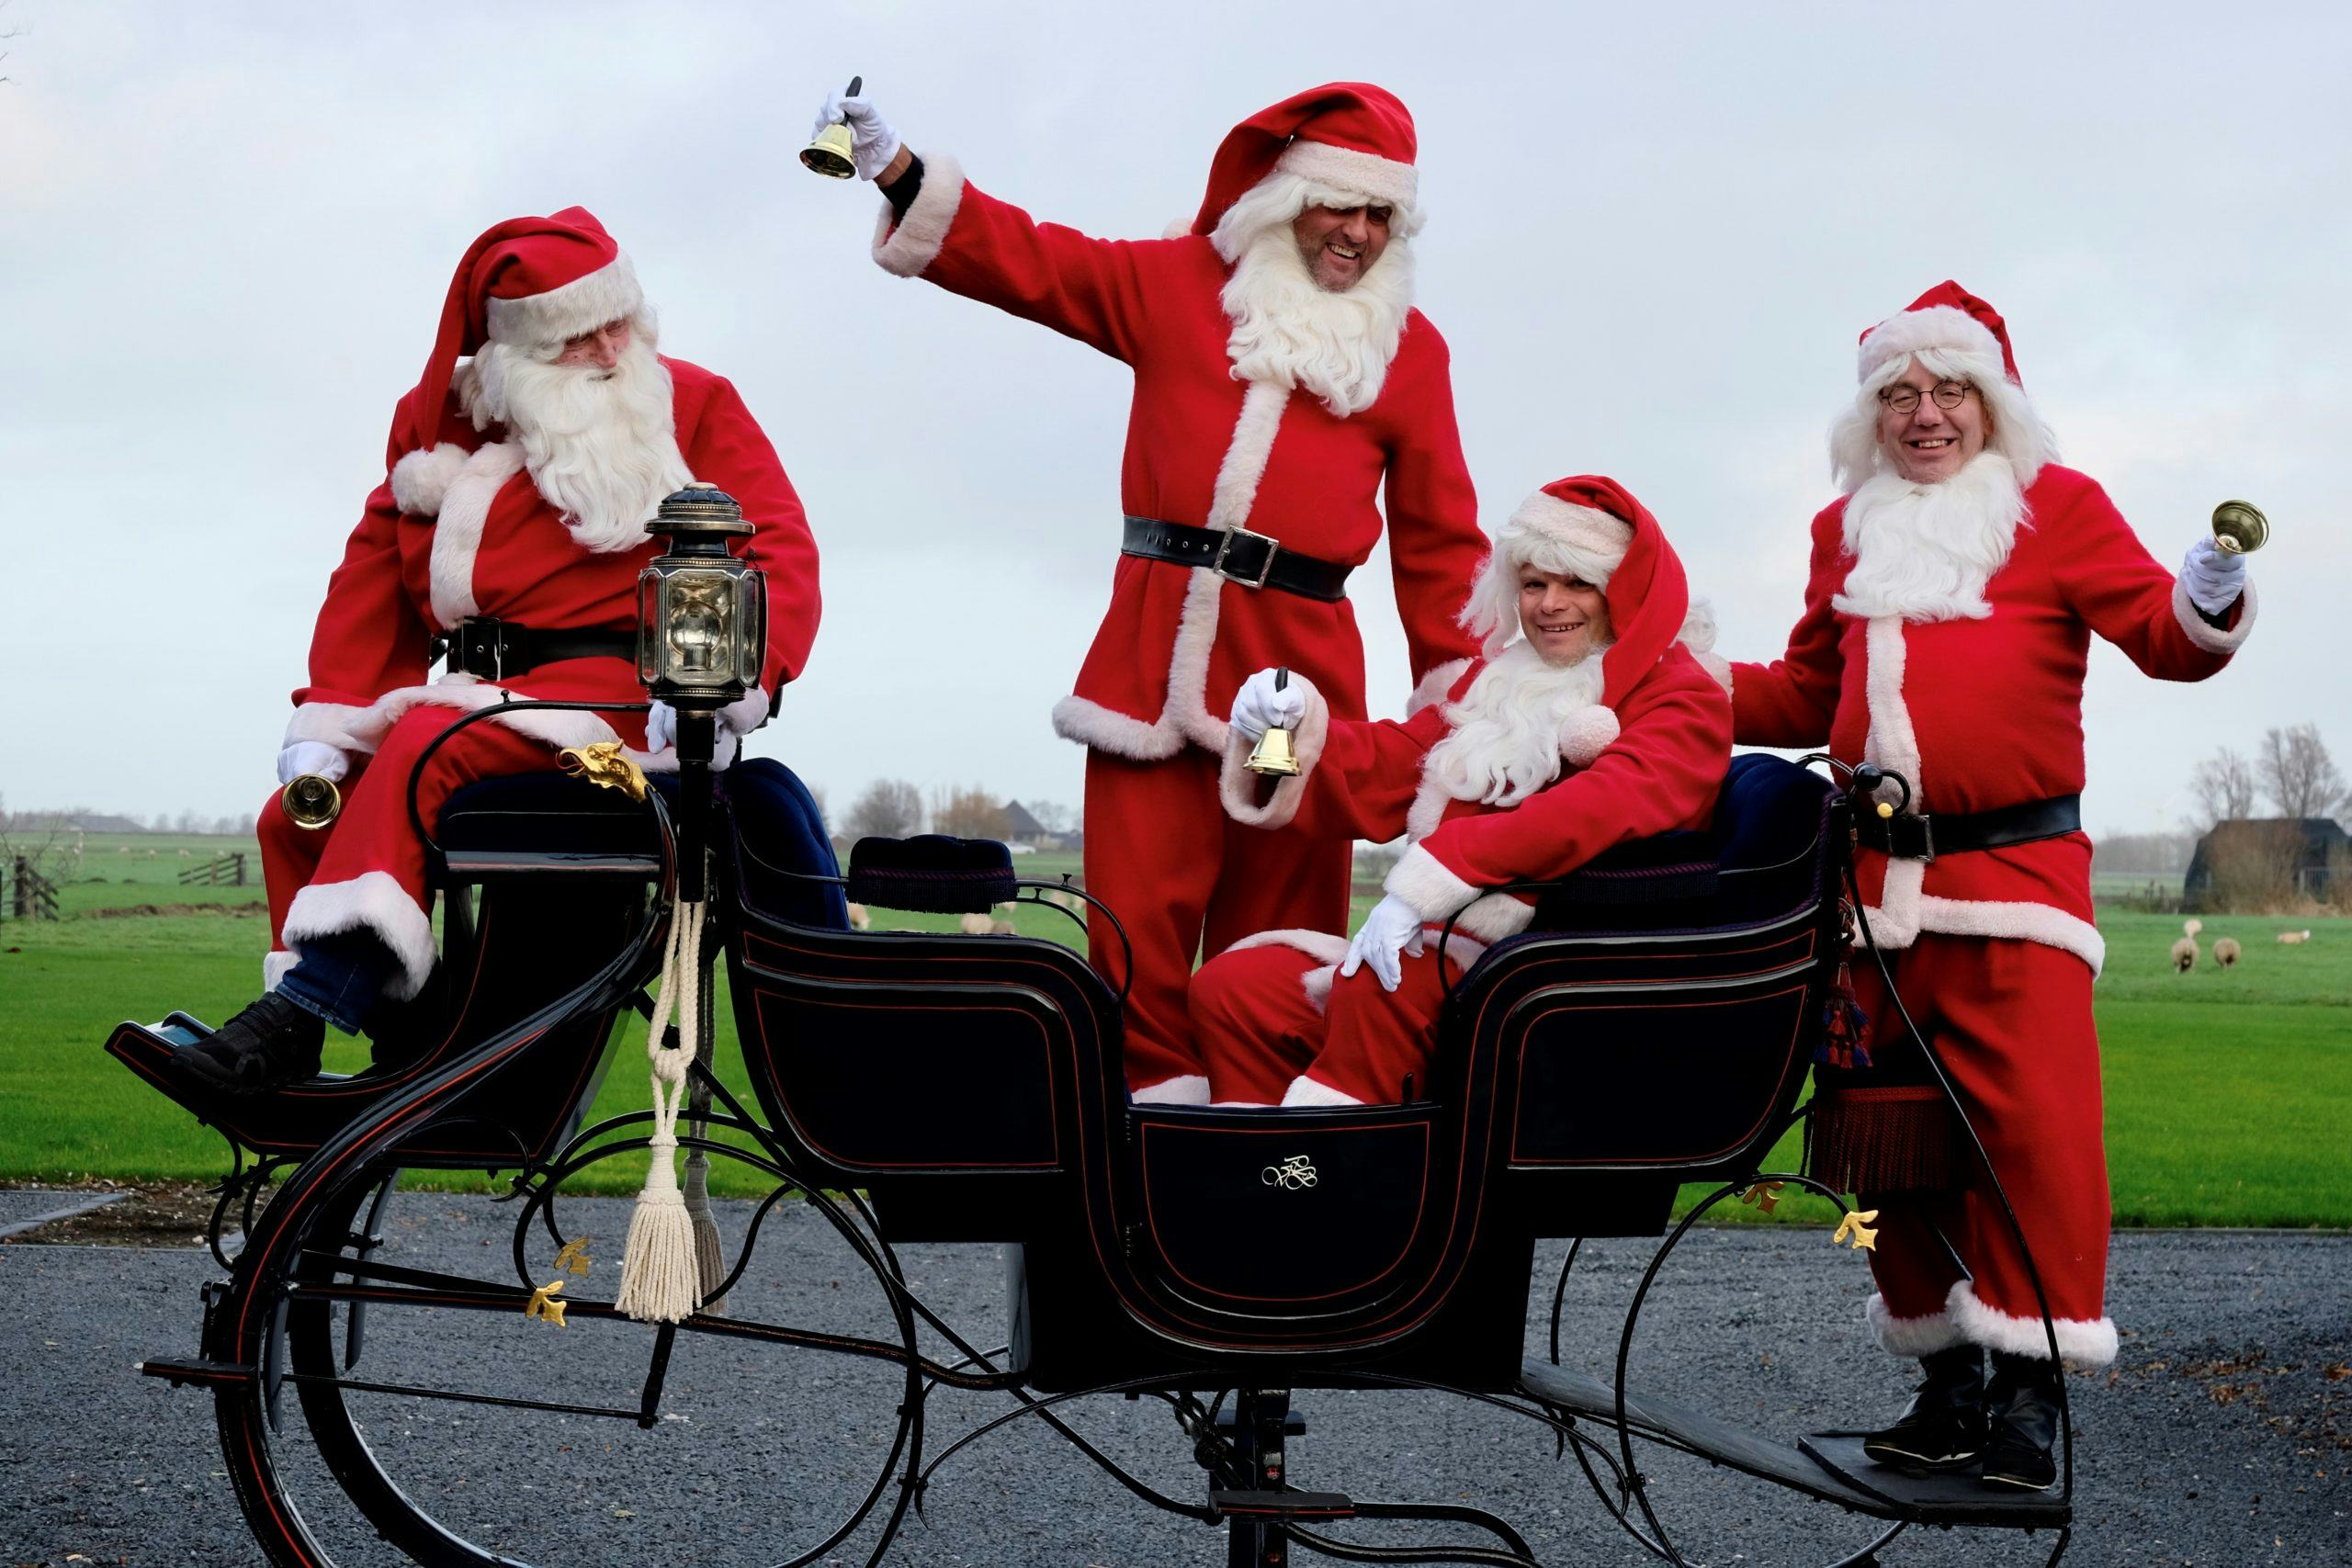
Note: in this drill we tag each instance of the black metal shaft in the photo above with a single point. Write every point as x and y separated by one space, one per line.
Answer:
1260 1415
697 741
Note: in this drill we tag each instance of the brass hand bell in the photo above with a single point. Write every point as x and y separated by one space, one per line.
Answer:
1273 756
2240 528
311 800
829 155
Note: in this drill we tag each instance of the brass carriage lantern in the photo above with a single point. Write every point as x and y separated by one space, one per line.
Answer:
701 613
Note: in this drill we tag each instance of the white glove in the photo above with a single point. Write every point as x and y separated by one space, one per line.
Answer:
1258 708
736 720
872 142
2214 577
312 756
1393 927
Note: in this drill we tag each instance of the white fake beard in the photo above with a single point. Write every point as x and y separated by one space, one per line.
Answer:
1291 332
1504 743
1925 551
601 448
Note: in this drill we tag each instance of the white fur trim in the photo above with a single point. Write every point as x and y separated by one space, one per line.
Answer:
1190 1089
1421 818
905 247
2082 1342
274 965
543 321
1178 229
328 722
1304 1090
1937 326
1318 984
1699 637
456 536
372 901
2212 639
1237 786
2043 923
1378 179
1185 716
1423 880
1588 734
1321 946
421 478
1495 917
557 728
1911 1336
1435 683
1891 741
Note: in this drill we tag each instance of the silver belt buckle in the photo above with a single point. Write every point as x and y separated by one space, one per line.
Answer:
1226 545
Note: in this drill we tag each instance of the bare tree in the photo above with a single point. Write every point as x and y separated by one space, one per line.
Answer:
2223 787
2297 775
968 812
825 811
1052 816
891 809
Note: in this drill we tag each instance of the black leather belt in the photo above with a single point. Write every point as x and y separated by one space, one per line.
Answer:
1928 835
1238 555
494 650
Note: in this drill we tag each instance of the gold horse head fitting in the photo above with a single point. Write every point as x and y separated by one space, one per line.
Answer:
604 763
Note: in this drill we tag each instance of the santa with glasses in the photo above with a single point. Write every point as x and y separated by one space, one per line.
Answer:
1286 395
1955 586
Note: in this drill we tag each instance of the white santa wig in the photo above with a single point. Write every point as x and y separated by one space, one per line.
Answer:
1952 345
1546 534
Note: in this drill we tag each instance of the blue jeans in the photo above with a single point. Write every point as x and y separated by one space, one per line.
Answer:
339 977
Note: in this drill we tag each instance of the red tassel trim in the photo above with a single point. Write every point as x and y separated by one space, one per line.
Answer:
1892 1138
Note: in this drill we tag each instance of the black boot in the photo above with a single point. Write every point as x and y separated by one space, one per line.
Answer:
1943 1426
273 1043
399 1033
2022 1416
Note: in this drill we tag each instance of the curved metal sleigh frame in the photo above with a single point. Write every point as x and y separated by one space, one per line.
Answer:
1112 1213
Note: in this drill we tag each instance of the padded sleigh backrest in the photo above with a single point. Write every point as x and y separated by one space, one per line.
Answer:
1758 858
780 845
934 873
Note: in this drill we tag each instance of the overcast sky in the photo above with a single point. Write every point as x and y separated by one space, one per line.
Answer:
1654 233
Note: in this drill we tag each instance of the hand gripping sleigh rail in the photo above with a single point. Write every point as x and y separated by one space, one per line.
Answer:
1653 1029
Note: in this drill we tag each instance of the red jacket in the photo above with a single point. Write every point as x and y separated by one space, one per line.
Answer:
1979 714
1656 769
1178 641
478 538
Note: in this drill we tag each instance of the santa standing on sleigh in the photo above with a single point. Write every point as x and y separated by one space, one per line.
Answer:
1955 586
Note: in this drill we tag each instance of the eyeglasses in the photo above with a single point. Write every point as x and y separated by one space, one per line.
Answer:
1947 395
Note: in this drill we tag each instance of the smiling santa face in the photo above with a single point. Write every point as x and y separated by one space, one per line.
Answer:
1928 442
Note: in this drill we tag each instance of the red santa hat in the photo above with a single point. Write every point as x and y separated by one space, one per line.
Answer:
1350 136
1946 317
532 282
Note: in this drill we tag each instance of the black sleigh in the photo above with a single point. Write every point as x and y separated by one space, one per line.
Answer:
1655 1029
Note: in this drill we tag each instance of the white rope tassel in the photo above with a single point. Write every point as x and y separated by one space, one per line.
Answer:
710 1260
660 1281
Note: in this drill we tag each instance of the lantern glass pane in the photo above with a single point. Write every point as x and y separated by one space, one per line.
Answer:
698 613
649 625
753 619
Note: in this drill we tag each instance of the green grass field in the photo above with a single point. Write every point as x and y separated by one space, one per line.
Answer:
2229 1095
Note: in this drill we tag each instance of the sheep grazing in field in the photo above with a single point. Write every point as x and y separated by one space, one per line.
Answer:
974 925
2184 951
1002 928
2225 951
858 919
2293 939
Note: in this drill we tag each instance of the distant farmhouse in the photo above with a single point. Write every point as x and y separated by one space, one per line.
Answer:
2250 864
1022 827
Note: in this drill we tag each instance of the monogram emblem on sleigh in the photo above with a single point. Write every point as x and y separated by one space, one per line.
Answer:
1293 1175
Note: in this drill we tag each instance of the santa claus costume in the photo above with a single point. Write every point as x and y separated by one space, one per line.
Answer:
511 521
1523 773
1945 630
1270 416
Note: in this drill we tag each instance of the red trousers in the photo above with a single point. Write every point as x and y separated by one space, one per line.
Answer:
365 869
1261 1024
1161 852
2011 1020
